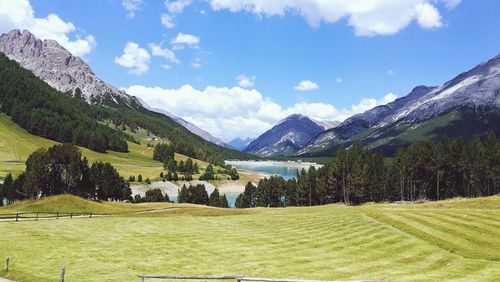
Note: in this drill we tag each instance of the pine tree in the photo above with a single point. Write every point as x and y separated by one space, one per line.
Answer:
214 199
223 203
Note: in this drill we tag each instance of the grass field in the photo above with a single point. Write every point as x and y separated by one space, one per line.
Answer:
448 240
16 144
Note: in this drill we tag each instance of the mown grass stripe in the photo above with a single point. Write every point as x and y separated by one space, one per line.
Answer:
476 243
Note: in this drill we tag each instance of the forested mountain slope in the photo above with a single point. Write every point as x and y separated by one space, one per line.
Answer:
44 111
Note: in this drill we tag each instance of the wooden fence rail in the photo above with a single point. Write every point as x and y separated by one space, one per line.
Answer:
42 215
238 278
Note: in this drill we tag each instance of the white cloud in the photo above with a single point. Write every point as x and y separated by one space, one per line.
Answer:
156 50
428 16
390 72
306 85
184 39
390 97
167 21
237 112
131 6
177 6
338 80
19 14
135 58
174 7
165 66
367 17
246 81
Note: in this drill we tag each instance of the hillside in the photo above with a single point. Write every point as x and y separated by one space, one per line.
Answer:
43 111
442 241
16 144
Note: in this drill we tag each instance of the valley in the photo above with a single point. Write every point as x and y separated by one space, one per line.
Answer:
293 140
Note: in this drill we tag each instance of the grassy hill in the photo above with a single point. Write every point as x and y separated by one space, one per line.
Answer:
448 240
16 144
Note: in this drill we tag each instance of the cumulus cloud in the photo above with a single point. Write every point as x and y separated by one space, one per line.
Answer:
20 14
338 80
367 17
135 58
245 81
156 50
174 7
237 112
167 21
183 39
306 85
131 6
177 6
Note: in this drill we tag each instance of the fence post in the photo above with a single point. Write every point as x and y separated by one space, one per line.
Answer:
71 215
62 274
17 216
57 215
90 215
141 278
7 264
37 216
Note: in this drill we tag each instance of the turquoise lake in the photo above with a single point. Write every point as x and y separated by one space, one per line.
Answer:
287 170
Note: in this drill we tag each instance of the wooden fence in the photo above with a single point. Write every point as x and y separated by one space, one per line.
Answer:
238 278
18 216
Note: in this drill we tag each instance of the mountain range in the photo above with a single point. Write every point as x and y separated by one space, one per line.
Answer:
466 106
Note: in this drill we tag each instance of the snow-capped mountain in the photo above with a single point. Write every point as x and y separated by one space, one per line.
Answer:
466 106
287 136
60 69
239 143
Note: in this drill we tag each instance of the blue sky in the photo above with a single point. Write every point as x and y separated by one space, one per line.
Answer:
349 57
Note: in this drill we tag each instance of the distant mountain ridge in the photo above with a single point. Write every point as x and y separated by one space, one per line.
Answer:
287 136
239 143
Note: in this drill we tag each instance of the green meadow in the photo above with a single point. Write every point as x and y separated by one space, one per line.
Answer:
442 241
16 144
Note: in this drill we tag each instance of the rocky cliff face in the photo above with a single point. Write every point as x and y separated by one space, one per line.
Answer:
60 69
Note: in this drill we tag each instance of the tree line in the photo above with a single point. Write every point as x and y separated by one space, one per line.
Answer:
197 194
62 170
423 171
165 153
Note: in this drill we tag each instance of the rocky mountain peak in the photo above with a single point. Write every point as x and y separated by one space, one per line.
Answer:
286 136
55 65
